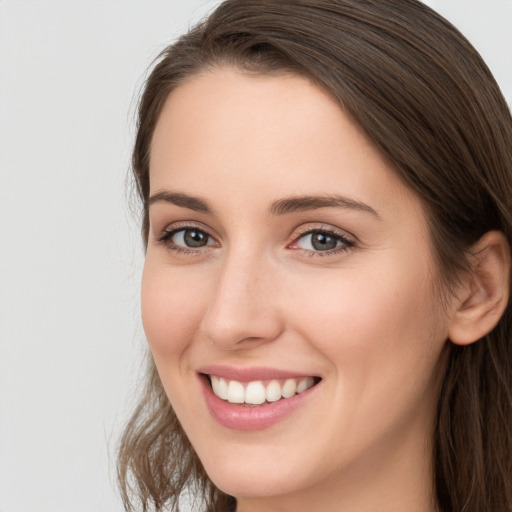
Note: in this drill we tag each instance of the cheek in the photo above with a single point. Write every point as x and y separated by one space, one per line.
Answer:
383 340
378 322
172 308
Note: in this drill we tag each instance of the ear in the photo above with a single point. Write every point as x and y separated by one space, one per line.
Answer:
486 290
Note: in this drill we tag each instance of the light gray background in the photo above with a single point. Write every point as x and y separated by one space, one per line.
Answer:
70 258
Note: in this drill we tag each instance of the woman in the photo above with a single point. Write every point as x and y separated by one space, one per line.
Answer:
326 190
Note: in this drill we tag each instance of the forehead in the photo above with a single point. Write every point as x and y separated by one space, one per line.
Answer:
266 136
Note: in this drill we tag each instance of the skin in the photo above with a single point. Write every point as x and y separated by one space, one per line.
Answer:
363 316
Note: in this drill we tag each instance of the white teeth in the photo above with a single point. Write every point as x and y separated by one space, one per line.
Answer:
215 384
236 392
273 391
220 387
255 393
289 388
305 384
223 389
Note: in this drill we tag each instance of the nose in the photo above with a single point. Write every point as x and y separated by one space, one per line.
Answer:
243 311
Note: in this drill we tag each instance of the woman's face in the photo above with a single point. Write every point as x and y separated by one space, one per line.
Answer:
284 251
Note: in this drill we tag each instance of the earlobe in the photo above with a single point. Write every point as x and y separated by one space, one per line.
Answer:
486 292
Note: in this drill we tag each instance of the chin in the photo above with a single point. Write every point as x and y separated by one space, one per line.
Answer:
259 472
253 483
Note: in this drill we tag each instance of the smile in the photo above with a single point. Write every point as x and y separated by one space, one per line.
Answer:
258 392
249 399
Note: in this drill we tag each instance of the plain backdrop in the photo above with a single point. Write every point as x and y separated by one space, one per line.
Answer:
71 343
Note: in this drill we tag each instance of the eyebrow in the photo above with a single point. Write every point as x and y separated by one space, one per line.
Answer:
183 200
280 207
304 203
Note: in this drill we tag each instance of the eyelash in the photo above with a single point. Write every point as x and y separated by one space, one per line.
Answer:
166 239
347 243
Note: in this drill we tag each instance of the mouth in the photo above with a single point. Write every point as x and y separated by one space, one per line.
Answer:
254 399
259 392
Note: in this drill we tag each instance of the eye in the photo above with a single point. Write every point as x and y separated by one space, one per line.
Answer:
186 239
190 238
322 241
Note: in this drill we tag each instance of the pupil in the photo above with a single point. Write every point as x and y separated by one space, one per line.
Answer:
195 238
323 242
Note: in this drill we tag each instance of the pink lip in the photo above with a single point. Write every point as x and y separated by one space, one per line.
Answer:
250 418
250 374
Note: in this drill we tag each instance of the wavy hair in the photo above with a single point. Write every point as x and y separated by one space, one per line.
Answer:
425 97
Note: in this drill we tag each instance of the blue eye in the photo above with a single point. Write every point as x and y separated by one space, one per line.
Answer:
323 241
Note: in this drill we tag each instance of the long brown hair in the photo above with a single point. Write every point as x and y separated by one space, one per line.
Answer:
425 97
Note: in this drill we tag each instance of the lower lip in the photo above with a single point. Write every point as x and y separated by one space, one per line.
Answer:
243 417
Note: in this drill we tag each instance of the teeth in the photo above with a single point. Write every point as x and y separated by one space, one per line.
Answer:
289 388
255 393
236 392
273 391
305 384
223 389
215 384
220 387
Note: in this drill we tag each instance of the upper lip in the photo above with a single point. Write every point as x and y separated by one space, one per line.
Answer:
251 374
